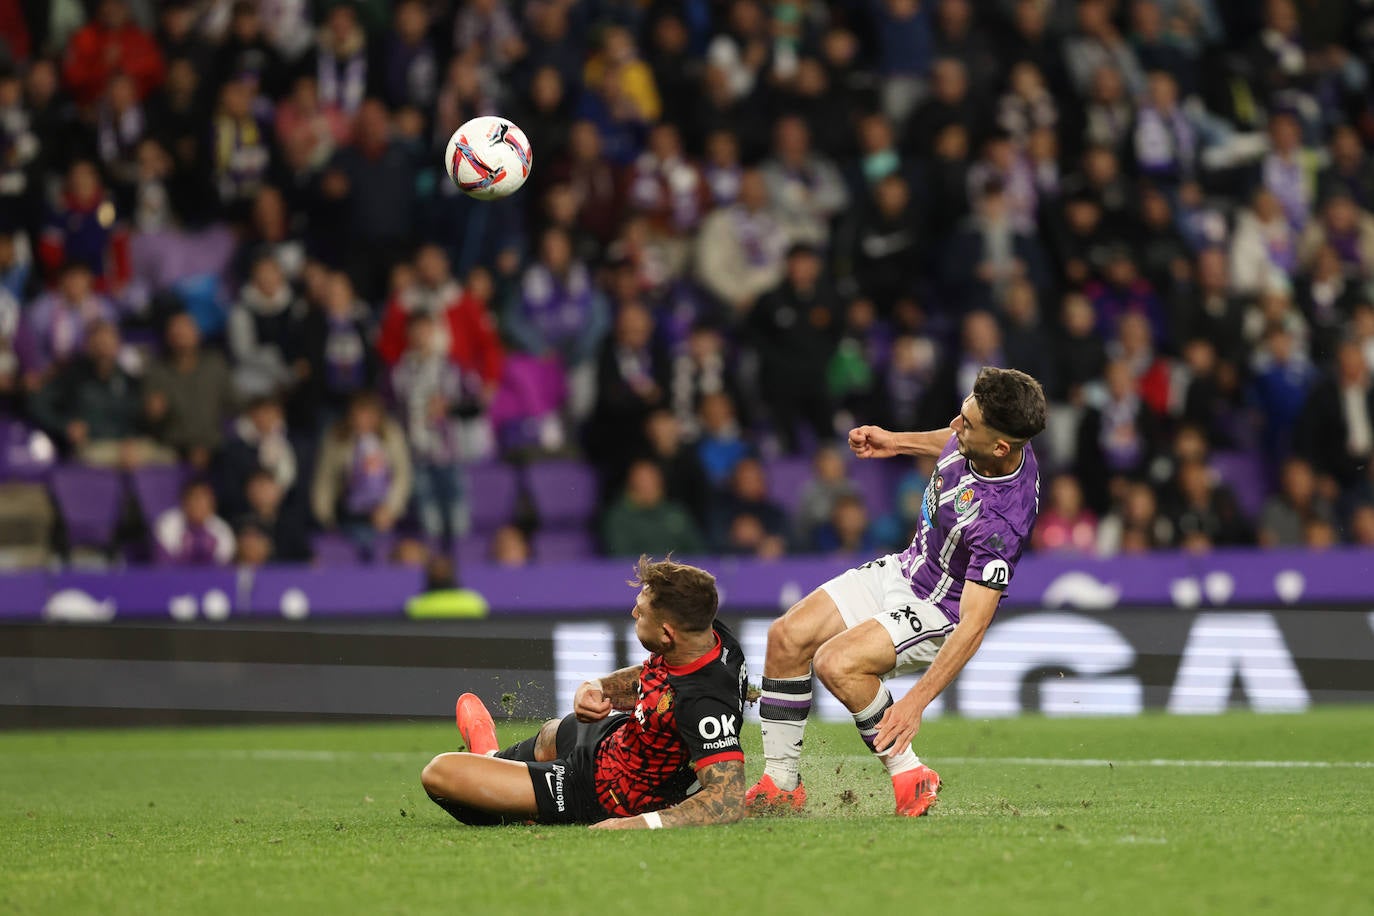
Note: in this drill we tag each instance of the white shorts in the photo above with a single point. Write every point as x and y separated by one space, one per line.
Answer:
879 591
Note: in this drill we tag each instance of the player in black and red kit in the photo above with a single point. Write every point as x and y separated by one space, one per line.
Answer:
637 742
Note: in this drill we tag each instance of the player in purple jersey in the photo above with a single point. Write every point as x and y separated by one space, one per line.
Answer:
923 609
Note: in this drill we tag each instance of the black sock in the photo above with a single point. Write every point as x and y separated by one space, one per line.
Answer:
474 817
523 751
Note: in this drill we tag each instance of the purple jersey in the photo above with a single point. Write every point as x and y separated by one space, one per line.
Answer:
972 528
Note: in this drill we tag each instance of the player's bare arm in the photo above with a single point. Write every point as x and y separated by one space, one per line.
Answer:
594 700
902 720
720 801
876 442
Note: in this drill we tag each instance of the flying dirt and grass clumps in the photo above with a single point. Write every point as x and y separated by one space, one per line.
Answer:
1229 838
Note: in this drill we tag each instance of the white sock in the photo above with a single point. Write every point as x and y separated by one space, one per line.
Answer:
783 707
867 720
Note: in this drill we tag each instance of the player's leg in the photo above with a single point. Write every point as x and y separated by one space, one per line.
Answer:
786 696
556 739
795 636
844 601
853 665
546 742
480 790
479 734
537 748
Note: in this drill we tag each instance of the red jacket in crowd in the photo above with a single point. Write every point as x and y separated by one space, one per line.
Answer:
96 53
473 343
14 32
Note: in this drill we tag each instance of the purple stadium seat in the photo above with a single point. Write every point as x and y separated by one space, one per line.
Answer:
561 546
493 490
89 500
334 550
379 550
157 488
1244 473
877 482
787 478
564 492
471 551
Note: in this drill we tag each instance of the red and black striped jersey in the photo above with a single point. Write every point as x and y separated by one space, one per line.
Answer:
687 717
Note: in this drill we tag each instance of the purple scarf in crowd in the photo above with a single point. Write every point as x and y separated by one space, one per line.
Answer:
198 544
558 307
369 475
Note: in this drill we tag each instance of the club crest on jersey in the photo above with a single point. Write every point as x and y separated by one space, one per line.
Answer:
665 702
963 501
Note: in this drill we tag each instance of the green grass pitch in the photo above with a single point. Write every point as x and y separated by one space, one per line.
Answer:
1114 816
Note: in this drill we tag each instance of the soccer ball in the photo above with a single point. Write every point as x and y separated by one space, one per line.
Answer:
488 157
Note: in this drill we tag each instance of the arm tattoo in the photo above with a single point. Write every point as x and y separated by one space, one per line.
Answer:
720 801
622 687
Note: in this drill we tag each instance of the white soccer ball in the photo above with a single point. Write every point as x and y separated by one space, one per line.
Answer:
488 157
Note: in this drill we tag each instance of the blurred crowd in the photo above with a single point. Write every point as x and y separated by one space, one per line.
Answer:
227 242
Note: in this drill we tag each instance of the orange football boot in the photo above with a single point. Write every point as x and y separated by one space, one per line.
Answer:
916 791
475 725
764 797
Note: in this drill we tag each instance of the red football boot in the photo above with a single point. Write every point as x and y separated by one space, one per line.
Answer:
916 791
475 725
764 797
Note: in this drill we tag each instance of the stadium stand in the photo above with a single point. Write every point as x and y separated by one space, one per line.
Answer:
750 225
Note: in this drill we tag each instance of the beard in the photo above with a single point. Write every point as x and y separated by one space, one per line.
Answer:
974 456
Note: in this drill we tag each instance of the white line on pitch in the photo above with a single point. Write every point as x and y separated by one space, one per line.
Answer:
328 756
1153 762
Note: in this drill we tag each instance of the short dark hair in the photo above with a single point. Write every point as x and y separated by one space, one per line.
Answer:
195 483
365 397
258 473
685 594
1011 401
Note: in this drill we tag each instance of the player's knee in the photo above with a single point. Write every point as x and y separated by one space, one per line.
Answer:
787 641
435 777
830 665
546 744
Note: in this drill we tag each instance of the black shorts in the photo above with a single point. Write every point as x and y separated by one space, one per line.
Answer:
565 788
